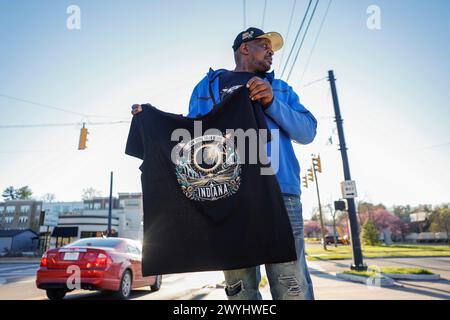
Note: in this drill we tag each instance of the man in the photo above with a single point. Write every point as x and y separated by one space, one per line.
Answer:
253 51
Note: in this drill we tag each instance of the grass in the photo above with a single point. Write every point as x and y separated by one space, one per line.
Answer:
402 270
367 273
375 271
344 252
312 240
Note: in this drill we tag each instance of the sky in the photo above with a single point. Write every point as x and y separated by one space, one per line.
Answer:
393 87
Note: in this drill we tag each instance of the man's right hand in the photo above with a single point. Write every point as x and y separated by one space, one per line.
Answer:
135 109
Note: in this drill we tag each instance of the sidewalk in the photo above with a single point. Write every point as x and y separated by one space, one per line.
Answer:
328 287
32 260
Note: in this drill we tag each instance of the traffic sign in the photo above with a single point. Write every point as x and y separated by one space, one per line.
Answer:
348 189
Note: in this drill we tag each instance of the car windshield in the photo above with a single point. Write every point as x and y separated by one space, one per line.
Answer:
96 242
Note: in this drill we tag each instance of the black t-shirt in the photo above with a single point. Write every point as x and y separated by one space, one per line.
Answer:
229 81
214 215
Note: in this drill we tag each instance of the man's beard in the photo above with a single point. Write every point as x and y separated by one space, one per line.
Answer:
265 66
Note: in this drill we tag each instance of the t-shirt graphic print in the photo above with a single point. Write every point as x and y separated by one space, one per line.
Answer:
209 168
206 205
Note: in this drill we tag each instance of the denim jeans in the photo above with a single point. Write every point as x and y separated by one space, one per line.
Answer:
288 281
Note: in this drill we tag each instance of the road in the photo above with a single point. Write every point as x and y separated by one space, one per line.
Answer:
17 283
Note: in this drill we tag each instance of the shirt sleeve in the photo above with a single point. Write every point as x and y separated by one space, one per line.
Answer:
135 146
293 118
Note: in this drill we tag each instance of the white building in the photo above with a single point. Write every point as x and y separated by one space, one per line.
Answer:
90 219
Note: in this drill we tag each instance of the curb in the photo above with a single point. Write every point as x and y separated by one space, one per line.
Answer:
369 281
399 276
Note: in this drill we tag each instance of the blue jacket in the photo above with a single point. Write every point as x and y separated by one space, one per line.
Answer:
286 113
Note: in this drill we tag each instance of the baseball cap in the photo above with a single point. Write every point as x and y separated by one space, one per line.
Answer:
254 33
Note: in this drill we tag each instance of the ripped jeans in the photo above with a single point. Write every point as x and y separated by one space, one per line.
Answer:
288 281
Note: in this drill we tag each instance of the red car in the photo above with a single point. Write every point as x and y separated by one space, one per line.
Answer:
107 264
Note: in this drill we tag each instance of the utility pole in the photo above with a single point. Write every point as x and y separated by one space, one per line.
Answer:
358 263
314 169
110 206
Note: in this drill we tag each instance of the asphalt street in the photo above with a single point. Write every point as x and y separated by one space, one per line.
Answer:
17 282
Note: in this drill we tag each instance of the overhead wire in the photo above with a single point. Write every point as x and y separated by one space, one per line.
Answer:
296 38
244 13
60 124
54 107
315 41
303 39
294 3
264 14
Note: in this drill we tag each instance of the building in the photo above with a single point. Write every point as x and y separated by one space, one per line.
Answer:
20 214
90 219
18 240
63 207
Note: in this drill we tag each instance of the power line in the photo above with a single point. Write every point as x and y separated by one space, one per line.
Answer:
294 3
264 14
303 39
54 108
59 124
296 38
315 81
244 13
315 41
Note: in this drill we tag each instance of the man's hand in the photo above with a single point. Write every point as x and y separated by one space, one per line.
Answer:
260 90
135 109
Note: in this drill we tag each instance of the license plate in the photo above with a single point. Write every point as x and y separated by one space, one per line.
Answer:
71 255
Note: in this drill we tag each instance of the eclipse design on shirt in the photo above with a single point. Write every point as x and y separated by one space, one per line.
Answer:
208 167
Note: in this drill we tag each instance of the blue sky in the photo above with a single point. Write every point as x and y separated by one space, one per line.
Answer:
393 88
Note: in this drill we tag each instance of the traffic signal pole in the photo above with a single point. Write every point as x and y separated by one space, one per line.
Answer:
109 232
358 263
320 208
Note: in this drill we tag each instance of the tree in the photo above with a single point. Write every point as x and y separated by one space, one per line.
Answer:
383 219
441 220
333 214
403 213
367 206
311 228
90 193
48 197
9 193
24 193
369 233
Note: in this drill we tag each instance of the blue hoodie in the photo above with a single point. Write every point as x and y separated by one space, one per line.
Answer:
286 113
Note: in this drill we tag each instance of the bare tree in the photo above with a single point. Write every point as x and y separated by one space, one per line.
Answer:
48 197
90 193
333 214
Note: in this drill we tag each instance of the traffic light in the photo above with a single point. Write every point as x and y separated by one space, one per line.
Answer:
310 175
317 164
83 138
305 181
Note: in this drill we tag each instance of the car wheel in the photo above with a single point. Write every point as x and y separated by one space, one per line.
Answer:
157 284
125 285
56 294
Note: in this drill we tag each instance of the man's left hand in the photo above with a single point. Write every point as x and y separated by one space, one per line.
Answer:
260 90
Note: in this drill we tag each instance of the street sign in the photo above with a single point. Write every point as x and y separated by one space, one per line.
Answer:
51 218
348 189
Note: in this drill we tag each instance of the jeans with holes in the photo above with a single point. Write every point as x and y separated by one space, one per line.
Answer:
288 281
